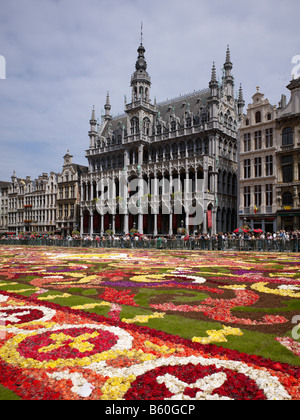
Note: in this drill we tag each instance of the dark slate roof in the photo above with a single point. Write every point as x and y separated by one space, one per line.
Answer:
4 184
194 102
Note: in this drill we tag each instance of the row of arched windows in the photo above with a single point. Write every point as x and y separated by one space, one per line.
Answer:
177 150
107 163
161 127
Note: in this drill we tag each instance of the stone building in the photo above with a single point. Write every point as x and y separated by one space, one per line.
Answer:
68 196
257 172
4 186
269 178
288 159
32 204
162 166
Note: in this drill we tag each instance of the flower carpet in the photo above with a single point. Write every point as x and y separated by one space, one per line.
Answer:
149 324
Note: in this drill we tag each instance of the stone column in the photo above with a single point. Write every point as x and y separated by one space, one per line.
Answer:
102 224
126 224
186 197
81 224
91 224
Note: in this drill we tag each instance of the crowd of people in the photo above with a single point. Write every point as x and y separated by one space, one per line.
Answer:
243 240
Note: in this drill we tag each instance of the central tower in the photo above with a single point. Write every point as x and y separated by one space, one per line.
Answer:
140 112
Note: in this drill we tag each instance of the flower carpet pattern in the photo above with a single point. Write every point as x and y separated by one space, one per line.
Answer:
149 325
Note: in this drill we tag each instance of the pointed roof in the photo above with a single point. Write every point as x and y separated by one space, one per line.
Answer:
213 73
241 97
93 117
228 63
228 55
141 73
107 105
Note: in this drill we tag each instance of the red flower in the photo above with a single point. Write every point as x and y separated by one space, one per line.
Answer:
124 297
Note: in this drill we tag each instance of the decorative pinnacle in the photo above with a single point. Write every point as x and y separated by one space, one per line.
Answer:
141 33
228 55
213 73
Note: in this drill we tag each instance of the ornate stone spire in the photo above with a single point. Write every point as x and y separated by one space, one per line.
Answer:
140 80
213 73
107 108
240 102
229 79
141 64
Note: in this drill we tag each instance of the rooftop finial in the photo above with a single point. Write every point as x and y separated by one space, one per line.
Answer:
228 54
213 73
142 32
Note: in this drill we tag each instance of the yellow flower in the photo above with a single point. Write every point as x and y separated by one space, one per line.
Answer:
51 297
91 305
234 287
116 387
143 318
217 336
261 287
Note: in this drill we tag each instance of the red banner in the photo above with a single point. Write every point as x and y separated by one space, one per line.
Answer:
209 219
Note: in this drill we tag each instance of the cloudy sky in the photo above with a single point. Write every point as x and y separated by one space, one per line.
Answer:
62 56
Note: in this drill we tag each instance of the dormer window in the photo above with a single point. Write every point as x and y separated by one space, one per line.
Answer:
258 117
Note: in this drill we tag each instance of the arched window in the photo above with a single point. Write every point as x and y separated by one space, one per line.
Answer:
146 126
167 153
182 149
134 125
158 129
153 155
120 161
190 148
287 199
160 154
258 117
174 151
173 126
287 137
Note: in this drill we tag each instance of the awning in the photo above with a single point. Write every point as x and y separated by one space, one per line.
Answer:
289 214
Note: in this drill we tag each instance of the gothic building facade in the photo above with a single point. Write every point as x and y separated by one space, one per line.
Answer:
164 166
